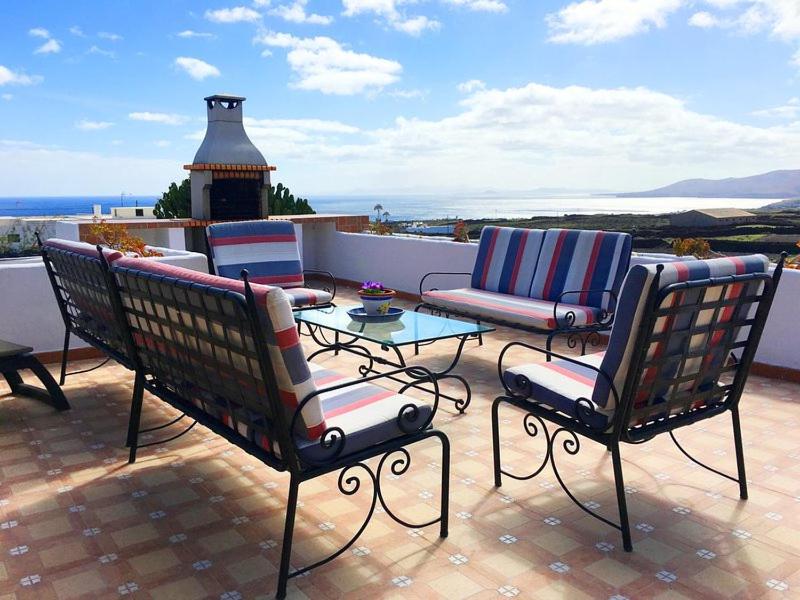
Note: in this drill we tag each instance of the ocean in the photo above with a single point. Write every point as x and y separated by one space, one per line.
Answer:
411 208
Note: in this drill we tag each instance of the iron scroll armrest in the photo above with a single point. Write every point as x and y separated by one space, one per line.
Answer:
584 404
424 277
332 440
324 275
605 319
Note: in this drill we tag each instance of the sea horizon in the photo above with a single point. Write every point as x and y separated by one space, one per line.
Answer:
411 207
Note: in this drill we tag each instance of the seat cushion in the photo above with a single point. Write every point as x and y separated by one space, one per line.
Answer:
518 310
559 384
573 260
367 413
506 259
302 296
267 249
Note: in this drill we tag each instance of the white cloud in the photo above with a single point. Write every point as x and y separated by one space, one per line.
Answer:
391 15
704 20
77 31
296 13
237 14
196 68
470 86
101 52
496 6
107 35
315 125
51 46
163 143
39 32
7 97
261 3
779 18
526 137
323 64
9 77
87 125
790 110
158 117
189 33
598 21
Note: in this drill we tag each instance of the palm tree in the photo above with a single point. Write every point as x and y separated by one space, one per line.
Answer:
378 208
386 215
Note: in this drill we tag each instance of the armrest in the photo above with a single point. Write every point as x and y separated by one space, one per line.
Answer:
584 404
424 277
325 275
606 316
333 439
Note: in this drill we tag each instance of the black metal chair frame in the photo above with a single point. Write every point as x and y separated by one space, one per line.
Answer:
715 399
583 335
156 372
65 269
307 274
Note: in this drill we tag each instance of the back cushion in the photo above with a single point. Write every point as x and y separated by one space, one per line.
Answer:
82 248
572 259
267 249
630 312
291 369
506 259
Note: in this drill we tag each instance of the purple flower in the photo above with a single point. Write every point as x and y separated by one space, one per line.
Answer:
375 286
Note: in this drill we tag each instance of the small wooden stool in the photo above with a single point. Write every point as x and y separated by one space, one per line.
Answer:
14 358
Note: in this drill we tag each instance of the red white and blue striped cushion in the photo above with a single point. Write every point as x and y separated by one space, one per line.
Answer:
519 310
506 260
303 296
267 249
559 384
572 260
631 307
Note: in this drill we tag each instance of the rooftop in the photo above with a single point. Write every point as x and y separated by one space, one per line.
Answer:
723 213
198 517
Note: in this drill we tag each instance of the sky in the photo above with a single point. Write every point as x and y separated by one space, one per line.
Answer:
401 96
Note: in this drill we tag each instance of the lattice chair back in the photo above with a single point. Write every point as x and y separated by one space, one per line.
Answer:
586 262
677 327
240 362
79 279
268 249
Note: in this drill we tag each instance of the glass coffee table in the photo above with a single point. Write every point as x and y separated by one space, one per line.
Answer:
412 329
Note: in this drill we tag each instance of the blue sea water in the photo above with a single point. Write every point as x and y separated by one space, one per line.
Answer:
403 208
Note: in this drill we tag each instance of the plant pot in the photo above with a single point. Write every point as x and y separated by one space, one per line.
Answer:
376 304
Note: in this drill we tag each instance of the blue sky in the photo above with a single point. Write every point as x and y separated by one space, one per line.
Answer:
401 96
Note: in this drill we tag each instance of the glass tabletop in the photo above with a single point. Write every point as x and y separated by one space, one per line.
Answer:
412 326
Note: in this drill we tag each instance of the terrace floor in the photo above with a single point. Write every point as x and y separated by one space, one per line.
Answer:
200 518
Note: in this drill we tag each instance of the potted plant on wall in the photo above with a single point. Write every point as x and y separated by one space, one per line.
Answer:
375 297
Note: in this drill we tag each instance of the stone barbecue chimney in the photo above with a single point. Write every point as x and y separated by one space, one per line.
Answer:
229 176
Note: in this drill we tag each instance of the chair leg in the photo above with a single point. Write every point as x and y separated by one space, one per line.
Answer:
549 345
737 440
64 354
288 532
136 415
56 396
445 503
622 502
13 379
496 441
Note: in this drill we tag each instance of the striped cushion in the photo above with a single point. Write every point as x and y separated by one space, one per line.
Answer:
559 384
632 301
286 353
505 307
367 413
267 249
506 260
302 296
81 248
572 260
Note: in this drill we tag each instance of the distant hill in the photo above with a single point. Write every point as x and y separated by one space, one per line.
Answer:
775 184
790 204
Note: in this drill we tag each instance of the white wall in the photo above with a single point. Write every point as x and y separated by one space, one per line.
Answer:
400 262
29 314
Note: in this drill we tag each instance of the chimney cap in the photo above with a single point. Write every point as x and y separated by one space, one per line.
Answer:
224 97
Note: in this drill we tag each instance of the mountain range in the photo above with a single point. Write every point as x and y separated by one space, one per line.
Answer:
775 184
